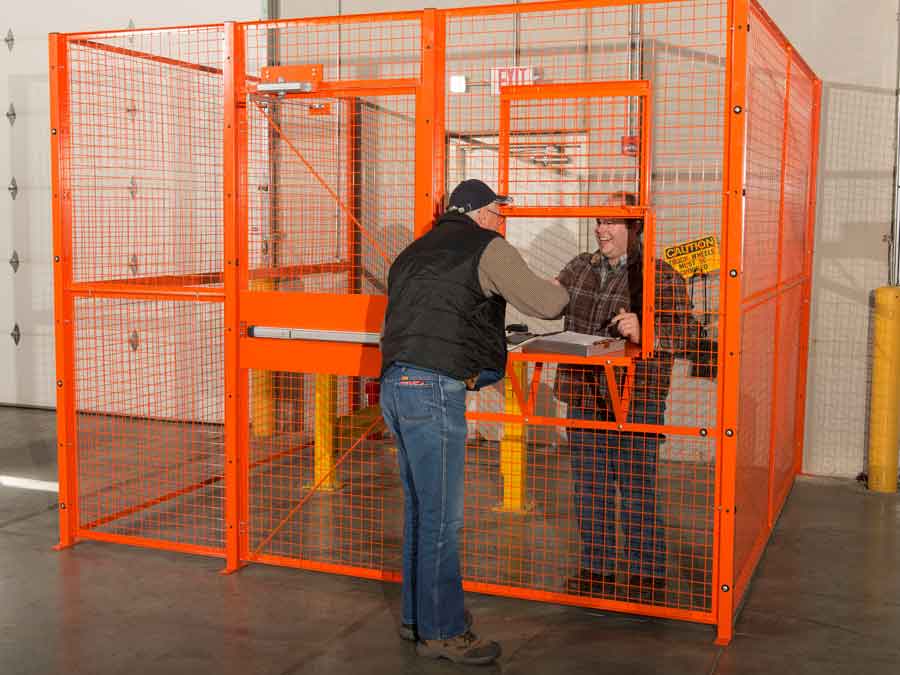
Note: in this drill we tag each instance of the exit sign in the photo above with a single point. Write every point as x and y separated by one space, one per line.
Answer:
509 76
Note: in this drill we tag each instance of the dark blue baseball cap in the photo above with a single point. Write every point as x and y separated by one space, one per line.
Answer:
473 194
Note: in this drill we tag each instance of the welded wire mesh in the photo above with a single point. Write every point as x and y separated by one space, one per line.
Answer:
323 481
146 156
776 269
586 482
576 151
589 145
547 501
323 224
149 428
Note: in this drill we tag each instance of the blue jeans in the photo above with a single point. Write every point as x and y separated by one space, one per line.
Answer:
426 412
601 459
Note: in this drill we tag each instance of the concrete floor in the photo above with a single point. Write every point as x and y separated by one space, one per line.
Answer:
826 599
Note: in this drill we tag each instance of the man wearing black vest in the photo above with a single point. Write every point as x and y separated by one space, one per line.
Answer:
443 335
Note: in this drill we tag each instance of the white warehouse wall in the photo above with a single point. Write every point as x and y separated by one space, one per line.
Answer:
26 296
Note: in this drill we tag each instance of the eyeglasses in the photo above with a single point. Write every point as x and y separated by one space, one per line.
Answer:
496 213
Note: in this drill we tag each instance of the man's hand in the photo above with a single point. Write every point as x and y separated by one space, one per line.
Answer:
628 325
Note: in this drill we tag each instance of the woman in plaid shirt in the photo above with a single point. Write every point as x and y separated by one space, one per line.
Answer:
605 289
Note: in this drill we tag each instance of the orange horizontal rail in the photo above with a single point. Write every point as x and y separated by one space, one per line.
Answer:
572 211
318 311
329 568
148 293
575 90
133 53
618 359
349 89
595 603
559 5
539 420
302 356
144 542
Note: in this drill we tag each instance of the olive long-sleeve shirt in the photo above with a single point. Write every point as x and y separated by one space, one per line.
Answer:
503 271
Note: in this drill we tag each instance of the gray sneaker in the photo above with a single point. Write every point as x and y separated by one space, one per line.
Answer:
467 648
408 630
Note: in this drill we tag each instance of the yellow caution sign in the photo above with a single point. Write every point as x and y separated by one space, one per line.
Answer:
699 256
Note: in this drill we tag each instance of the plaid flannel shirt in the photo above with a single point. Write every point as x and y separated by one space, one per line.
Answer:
595 296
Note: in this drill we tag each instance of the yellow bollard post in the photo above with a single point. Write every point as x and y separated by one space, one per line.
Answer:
883 407
262 409
326 404
513 467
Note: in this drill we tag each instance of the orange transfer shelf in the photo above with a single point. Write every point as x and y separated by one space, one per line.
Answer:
623 359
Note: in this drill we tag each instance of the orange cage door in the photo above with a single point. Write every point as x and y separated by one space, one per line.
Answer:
596 138
330 193
330 189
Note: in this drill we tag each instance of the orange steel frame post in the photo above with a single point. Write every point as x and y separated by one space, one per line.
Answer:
234 138
63 301
354 277
357 312
429 179
729 319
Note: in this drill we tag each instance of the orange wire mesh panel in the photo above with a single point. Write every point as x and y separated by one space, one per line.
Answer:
318 224
615 99
767 71
324 490
322 219
336 203
592 135
224 223
780 168
542 502
144 185
150 409
145 157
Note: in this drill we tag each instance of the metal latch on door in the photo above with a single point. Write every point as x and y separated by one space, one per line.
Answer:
274 333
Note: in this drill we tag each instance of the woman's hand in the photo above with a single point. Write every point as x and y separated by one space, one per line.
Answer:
628 325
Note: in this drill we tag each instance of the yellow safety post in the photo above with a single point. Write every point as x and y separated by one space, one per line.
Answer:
885 391
326 404
262 408
513 466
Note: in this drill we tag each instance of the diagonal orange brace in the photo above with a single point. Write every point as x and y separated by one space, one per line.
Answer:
619 403
322 479
322 182
627 389
535 383
516 384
